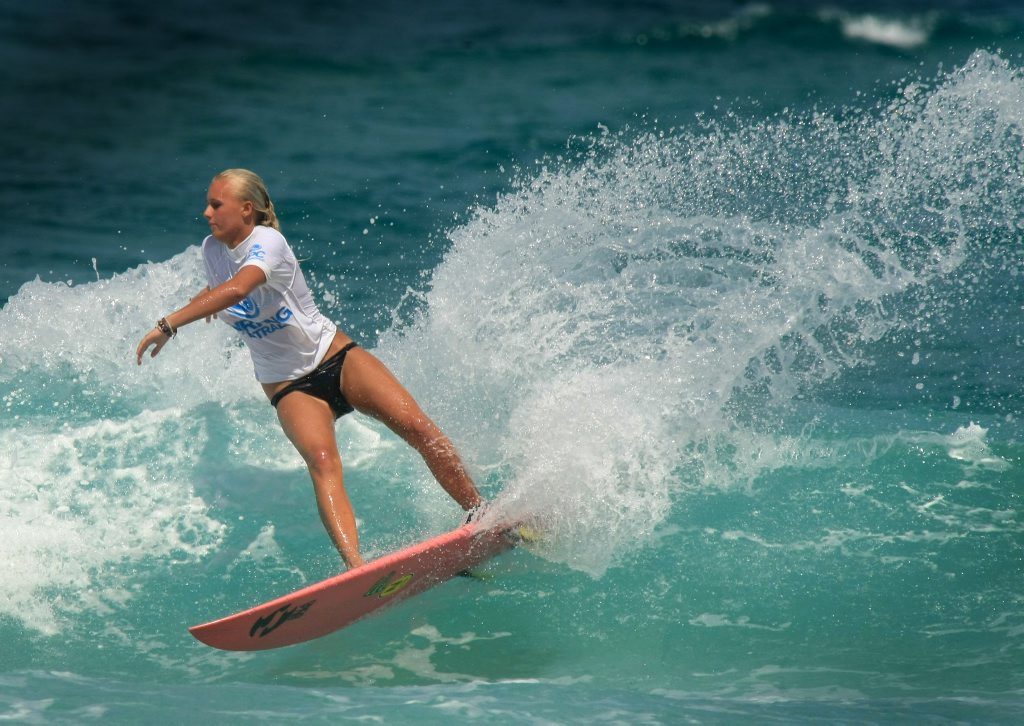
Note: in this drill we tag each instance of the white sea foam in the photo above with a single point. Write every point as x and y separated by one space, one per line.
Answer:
969 444
79 502
717 620
638 313
903 33
97 460
886 32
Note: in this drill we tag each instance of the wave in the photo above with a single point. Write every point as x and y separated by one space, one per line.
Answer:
643 315
652 318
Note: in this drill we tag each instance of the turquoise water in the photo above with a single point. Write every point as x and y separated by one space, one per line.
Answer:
729 298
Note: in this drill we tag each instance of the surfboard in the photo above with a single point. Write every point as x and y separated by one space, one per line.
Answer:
327 606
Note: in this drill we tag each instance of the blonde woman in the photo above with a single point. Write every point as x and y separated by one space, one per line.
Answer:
312 372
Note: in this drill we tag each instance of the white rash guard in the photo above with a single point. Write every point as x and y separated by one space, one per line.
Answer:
285 331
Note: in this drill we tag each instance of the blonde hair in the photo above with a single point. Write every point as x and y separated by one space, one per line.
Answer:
250 188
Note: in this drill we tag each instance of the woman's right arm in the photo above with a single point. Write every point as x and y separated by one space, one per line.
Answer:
206 304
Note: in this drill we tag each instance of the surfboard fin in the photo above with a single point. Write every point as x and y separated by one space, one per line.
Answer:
476 575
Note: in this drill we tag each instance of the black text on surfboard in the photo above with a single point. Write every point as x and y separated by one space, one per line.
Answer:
269 623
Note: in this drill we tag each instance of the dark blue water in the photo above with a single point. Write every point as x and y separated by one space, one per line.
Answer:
729 296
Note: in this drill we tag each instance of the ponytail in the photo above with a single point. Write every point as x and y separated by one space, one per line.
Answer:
269 216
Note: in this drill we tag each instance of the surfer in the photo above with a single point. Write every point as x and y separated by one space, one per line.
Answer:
312 372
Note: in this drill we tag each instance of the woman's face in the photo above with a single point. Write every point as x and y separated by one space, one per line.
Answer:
230 218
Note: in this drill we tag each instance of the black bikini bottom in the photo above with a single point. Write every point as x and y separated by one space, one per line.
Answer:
323 382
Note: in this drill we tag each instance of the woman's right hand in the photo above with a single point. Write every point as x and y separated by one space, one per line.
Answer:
154 338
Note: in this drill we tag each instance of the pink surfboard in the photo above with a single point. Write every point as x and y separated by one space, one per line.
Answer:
327 606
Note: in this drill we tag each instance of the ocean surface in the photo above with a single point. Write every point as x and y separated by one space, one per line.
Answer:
728 296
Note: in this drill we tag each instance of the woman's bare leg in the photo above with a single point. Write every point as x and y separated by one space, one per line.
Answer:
372 389
309 424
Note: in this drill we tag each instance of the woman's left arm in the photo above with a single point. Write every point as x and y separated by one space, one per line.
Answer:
204 305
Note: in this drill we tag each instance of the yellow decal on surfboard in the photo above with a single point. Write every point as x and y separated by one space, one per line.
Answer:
385 587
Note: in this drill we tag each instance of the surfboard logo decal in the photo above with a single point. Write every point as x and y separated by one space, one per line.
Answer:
385 587
269 623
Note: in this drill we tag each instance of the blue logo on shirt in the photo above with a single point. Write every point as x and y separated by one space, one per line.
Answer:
257 252
245 309
283 315
265 327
